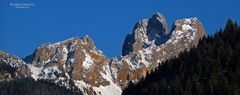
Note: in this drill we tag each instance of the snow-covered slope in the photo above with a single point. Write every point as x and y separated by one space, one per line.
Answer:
76 62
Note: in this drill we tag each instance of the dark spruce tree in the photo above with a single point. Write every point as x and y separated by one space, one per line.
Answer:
211 68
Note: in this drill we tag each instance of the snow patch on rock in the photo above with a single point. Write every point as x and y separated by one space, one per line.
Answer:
112 89
87 61
36 71
186 27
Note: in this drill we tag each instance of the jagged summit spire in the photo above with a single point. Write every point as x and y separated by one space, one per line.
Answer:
154 31
86 39
157 14
145 32
159 20
86 36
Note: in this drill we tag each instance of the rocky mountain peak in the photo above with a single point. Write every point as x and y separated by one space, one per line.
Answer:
145 33
76 62
159 20
72 59
189 25
142 52
87 40
12 67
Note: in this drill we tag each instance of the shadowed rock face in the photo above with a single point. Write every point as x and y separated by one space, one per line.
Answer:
77 61
145 32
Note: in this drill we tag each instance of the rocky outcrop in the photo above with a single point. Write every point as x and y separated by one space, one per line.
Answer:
145 32
69 61
77 61
12 67
189 24
144 52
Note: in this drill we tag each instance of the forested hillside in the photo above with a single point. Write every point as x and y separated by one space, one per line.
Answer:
211 68
28 86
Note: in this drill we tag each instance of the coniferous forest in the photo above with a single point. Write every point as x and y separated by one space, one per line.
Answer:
211 68
28 86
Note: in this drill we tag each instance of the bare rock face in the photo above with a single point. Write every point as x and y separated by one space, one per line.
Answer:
77 61
189 24
69 61
146 54
12 67
145 32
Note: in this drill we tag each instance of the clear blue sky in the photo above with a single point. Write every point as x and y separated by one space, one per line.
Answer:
107 22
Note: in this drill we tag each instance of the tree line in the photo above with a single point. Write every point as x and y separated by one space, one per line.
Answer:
28 86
